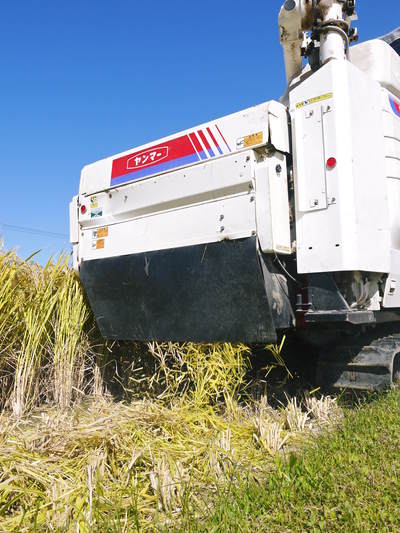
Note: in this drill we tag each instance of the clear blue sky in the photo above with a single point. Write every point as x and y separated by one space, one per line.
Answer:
81 80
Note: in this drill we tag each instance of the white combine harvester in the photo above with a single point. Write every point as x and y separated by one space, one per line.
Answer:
282 217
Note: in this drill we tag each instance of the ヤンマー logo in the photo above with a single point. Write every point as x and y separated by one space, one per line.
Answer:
146 158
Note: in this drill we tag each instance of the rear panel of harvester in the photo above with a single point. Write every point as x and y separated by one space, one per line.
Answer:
174 239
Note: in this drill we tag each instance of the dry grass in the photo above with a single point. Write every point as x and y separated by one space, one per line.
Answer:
104 462
73 459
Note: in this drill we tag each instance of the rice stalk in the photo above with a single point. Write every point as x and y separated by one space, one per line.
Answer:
199 373
295 418
323 410
8 303
70 343
276 351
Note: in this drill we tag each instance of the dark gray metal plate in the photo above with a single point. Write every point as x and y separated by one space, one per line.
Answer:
212 292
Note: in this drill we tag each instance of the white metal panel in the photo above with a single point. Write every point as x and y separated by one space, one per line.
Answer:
279 204
202 183
205 182
278 126
263 213
272 205
391 128
229 218
353 232
310 158
392 151
73 221
95 177
200 204
75 257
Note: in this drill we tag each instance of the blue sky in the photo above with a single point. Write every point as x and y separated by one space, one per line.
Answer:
81 80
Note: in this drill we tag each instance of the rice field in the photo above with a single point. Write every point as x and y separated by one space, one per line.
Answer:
99 437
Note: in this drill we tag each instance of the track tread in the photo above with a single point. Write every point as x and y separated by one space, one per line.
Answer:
356 366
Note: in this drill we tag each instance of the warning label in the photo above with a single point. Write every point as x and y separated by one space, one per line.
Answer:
250 140
314 100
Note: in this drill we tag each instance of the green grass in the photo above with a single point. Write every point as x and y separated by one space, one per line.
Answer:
348 480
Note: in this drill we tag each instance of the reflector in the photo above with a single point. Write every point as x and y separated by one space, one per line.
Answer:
331 163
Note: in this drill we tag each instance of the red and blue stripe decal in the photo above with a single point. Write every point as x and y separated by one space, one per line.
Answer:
181 151
395 105
214 140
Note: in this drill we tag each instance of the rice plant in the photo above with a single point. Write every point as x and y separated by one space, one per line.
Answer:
199 373
36 312
43 340
70 344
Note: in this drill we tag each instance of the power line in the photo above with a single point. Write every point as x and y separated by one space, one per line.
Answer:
34 231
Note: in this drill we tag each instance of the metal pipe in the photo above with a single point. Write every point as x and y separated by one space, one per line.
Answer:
295 17
334 43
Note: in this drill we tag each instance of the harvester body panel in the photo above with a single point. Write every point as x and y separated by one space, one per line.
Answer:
162 242
342 216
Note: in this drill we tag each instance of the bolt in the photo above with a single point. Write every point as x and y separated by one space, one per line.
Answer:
221 217
316 202
253 233
290 5
252 198
222 228
278 169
